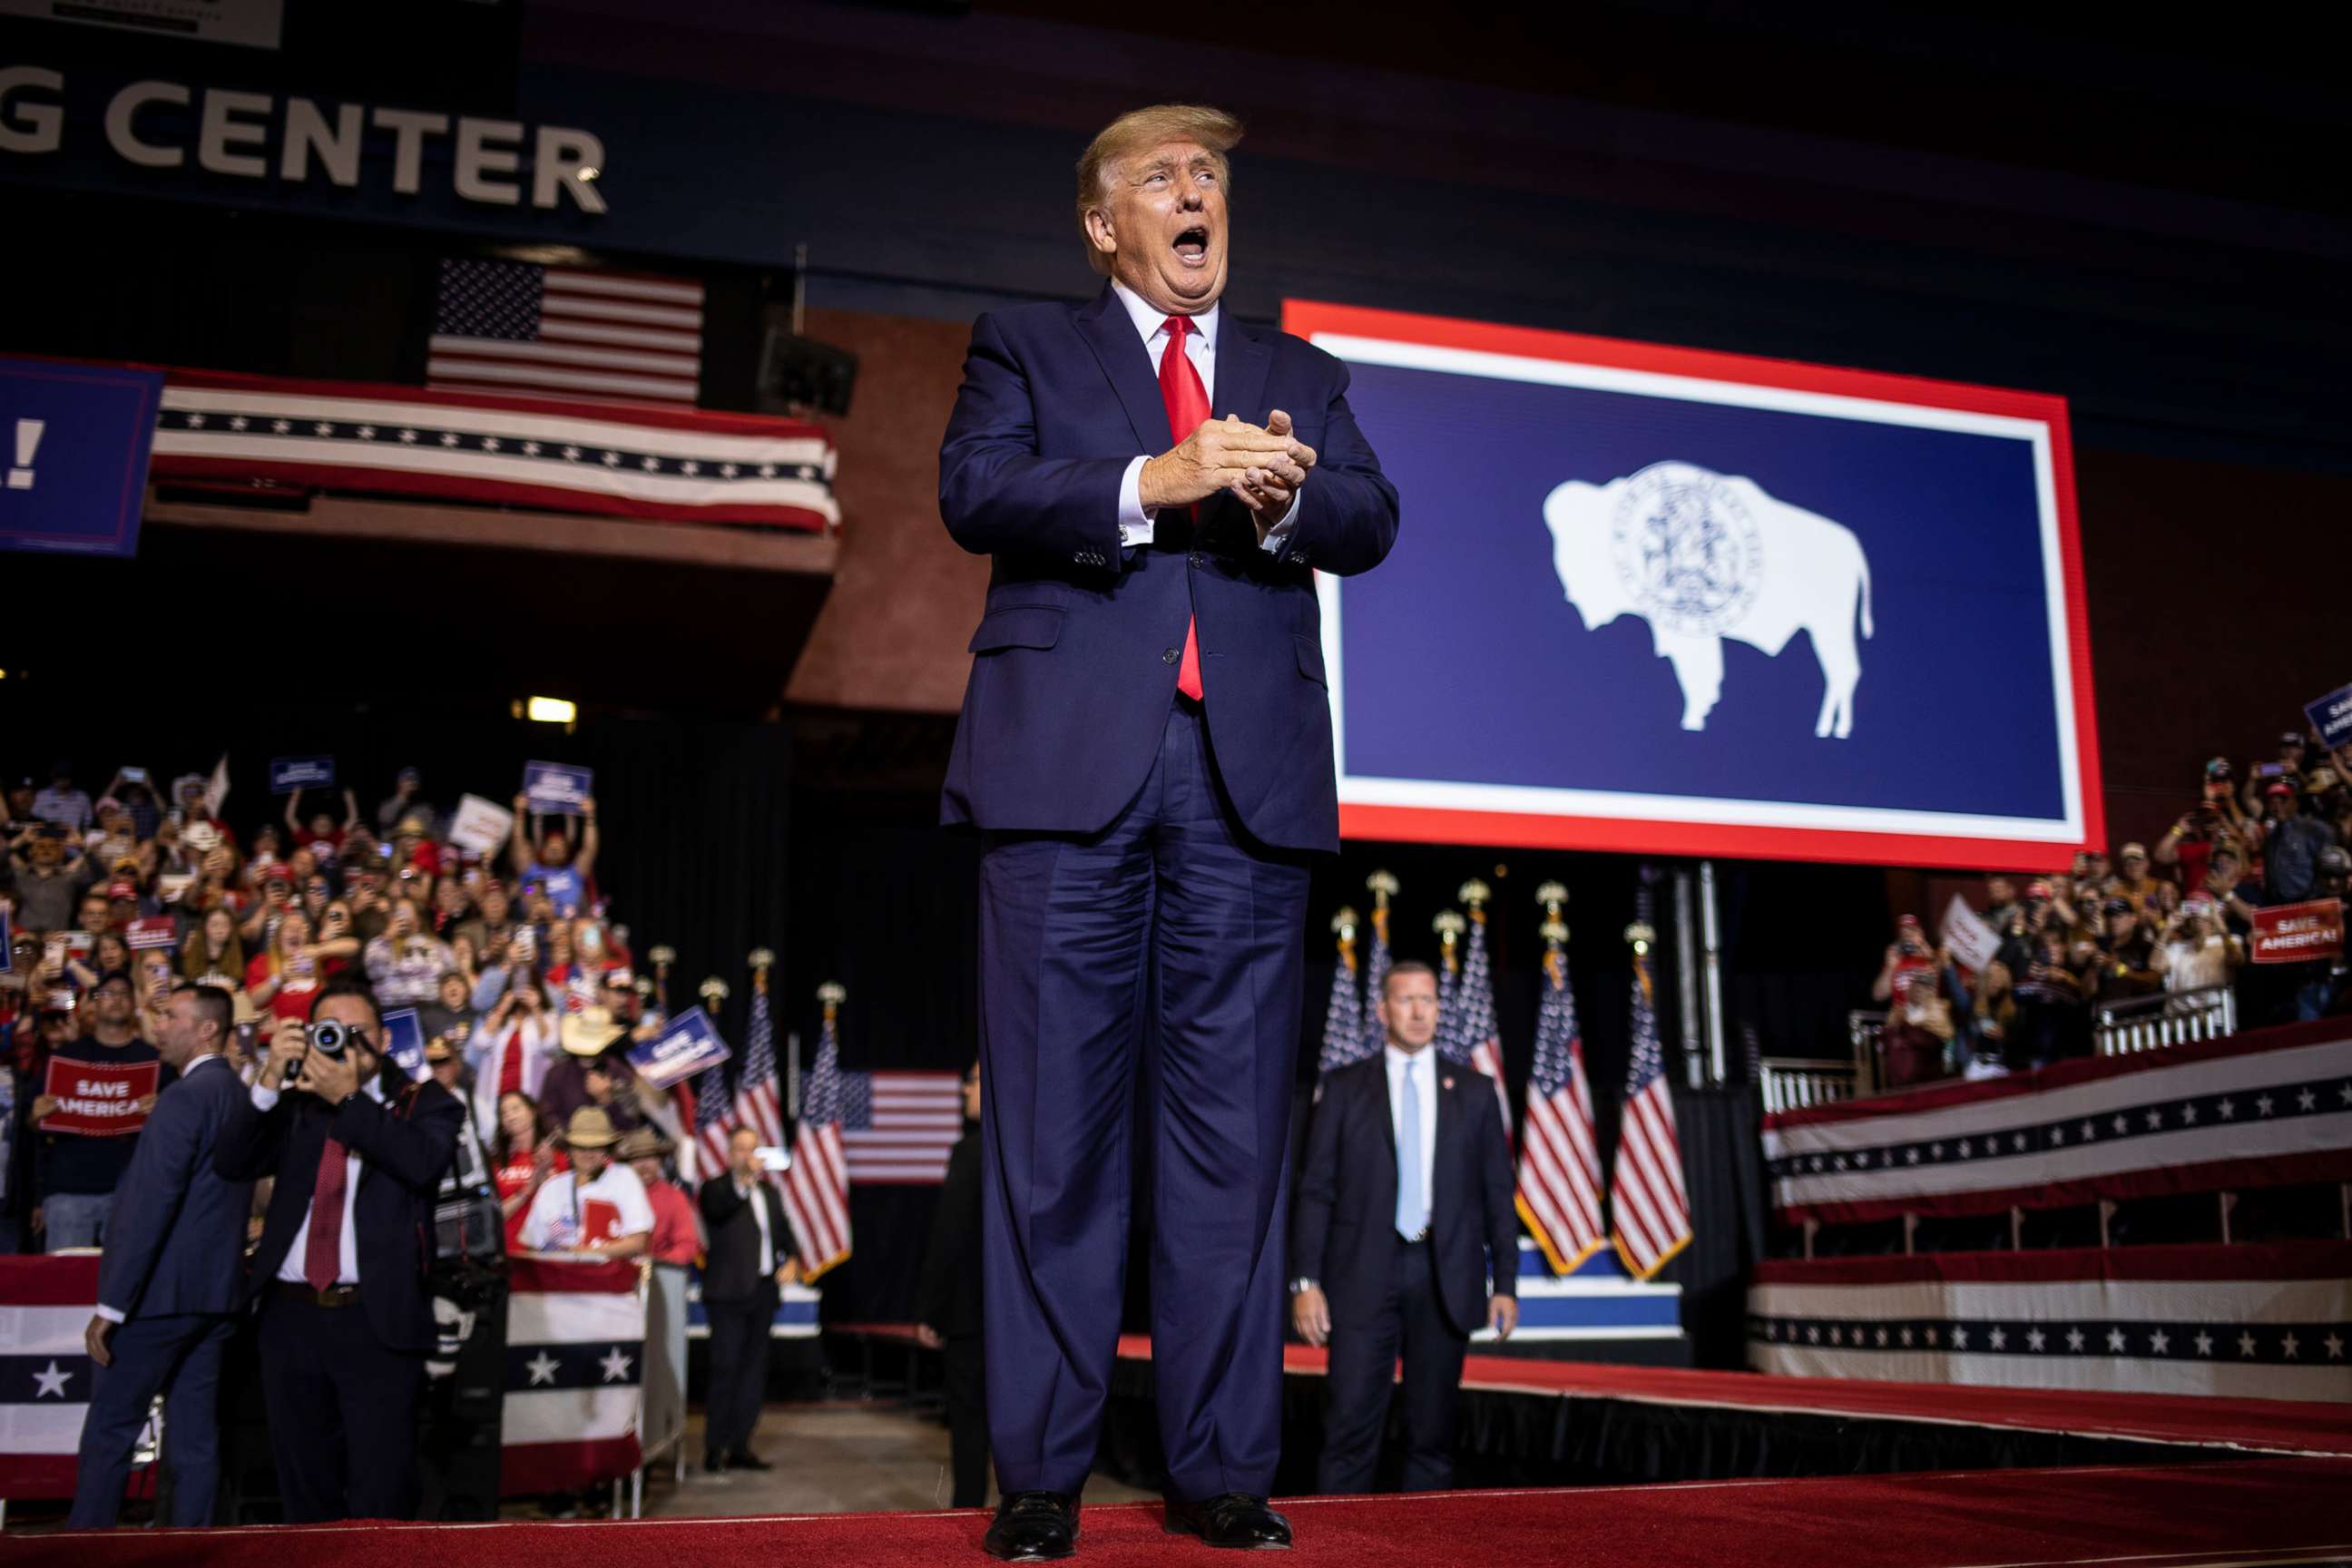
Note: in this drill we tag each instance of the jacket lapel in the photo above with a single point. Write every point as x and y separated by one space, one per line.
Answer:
1109 331
1242 358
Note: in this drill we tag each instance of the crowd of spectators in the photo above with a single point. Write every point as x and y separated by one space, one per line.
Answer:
525 990
2174 922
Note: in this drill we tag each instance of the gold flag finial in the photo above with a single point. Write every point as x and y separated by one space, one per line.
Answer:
1473 892
1383 886
1344 923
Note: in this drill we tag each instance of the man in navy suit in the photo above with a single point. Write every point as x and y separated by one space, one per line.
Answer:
1146 746
1404 1205
359 1150
172 1277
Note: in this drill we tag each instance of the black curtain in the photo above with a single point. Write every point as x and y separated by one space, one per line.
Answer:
1723 1174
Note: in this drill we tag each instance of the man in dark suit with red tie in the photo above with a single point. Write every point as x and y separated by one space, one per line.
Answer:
358 1149
1146 747
1405 1241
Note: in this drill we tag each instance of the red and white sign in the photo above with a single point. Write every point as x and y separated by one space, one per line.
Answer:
98 1099
2297 933
145 935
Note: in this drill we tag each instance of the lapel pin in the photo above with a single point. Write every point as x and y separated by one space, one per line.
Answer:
1449 1083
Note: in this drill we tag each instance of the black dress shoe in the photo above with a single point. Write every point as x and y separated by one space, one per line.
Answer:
713 1464
1034 1527
744 1459
1235 1520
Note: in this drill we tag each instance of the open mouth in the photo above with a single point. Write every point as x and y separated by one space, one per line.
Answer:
1192 247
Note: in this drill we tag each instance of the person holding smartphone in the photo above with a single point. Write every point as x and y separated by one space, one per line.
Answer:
747 1266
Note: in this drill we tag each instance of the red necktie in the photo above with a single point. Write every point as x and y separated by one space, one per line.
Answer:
323 1256
510 1062
1188 410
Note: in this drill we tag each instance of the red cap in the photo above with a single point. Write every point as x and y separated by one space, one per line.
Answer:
122 890
2279 787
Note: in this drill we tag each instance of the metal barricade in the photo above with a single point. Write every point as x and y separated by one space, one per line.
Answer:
1795 1083
2176 1018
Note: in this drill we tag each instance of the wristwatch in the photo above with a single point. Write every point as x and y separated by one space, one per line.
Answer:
1304 1283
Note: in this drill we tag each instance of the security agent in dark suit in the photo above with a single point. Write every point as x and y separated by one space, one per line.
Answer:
1405 1198
742 1275
359 1152
947 1305
172 1277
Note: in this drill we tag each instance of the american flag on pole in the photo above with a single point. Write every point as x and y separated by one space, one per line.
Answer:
1560 1159
1343 1014
759 1102
1476 1036
1382 886
816 1188
1449 925
512 326
712 1126
1646 1200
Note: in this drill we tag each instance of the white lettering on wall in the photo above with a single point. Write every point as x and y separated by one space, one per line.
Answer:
258 136
122 135
33 127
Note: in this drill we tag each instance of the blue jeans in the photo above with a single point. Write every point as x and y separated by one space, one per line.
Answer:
75 1219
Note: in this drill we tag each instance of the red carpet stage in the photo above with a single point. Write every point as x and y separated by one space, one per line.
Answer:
2239 1513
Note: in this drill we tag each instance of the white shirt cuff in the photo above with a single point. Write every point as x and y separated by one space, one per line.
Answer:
1277 533
264 1097
110 1314
1134 522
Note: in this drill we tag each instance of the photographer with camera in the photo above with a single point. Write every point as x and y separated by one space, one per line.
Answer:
358 1152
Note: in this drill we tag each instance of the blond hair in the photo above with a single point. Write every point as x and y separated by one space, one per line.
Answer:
1139 130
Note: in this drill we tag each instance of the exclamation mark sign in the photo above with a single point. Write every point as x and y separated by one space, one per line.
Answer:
28 441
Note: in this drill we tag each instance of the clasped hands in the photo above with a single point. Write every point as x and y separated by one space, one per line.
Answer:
1263 466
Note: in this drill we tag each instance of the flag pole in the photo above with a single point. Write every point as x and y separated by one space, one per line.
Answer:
791 1076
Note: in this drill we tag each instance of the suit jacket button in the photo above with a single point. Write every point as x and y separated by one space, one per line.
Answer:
1198 559
1169 656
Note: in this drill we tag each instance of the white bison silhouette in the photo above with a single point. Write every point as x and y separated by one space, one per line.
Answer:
1701 557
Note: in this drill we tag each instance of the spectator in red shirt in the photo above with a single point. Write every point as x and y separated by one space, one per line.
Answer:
678 1229
523 1155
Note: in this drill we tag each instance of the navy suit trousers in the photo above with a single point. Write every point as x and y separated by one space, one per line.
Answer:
1161 956
179 1356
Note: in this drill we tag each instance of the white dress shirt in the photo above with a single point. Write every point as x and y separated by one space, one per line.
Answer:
115 1314
1135 524
1425 1068
760 1214
347 1266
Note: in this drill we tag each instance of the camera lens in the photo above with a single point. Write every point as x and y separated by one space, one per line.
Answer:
328 1037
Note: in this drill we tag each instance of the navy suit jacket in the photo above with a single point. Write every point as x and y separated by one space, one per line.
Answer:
1345 1215
405 1146
1075 662
177 1240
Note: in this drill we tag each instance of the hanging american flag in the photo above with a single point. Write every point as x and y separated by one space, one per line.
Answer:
1343 1015
1560 1160
1646 1200
1382 886
897 1128
816 1188
511 326
1476 1035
